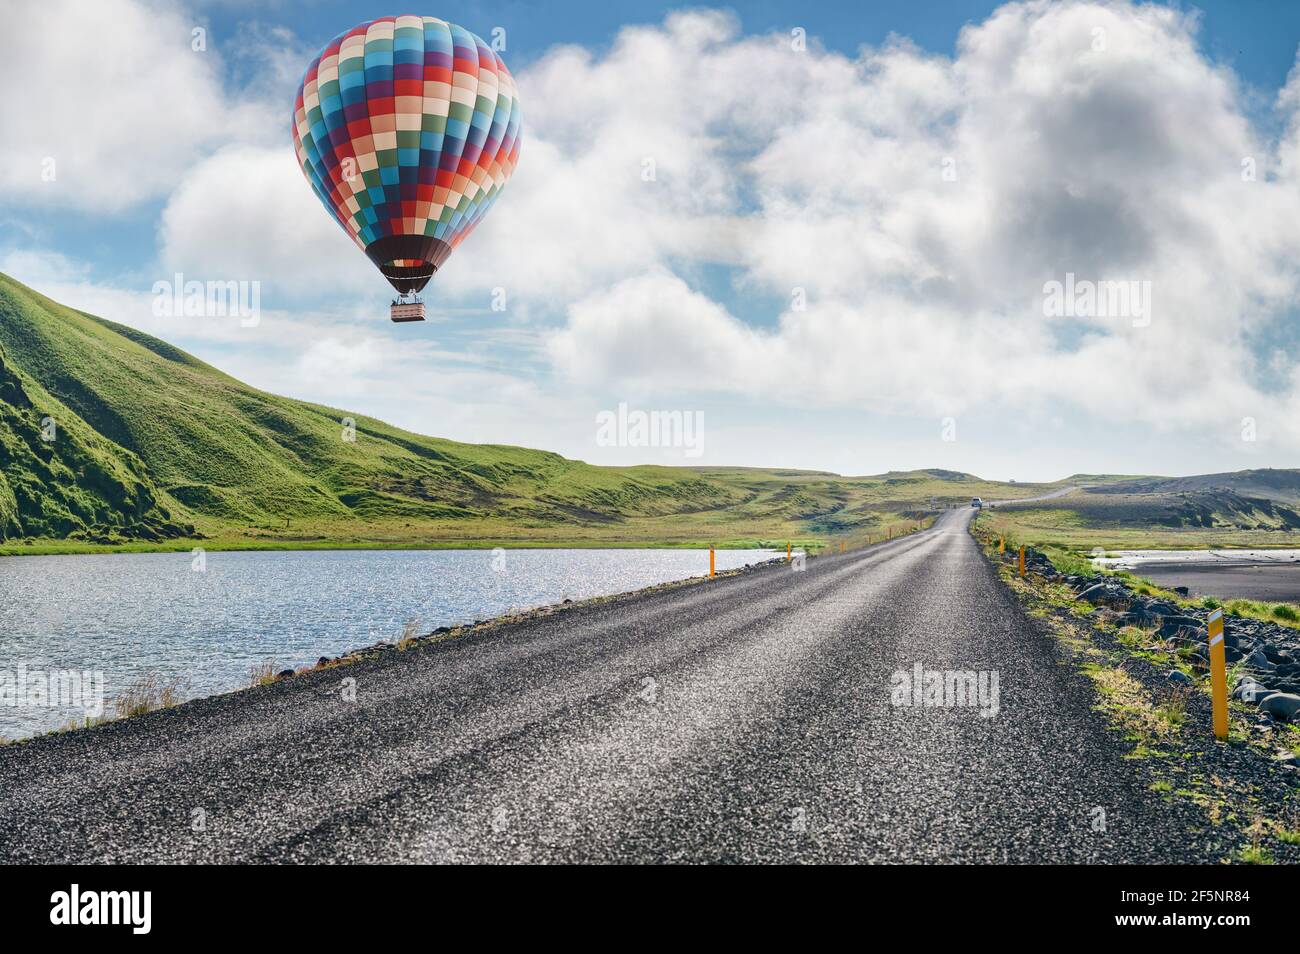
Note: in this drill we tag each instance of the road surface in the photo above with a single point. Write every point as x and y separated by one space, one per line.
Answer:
745 719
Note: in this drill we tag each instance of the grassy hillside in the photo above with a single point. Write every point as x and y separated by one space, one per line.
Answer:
1250 508
151 447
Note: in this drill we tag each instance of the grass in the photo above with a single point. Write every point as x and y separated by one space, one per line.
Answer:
1288 836
1281 613
409 633
1081 521
148 693
156 450
1146 724
1286 613
261 674
1254 854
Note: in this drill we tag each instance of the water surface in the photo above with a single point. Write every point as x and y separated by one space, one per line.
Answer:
208 621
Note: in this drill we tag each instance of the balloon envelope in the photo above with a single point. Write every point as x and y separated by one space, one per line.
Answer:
407 129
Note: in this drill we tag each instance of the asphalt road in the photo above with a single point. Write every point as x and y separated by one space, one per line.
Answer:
743 719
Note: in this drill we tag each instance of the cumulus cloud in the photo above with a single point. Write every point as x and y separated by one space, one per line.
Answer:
246 212
109 102
920 203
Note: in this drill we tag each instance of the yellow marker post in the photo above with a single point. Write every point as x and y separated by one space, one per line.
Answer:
841 546
1002 545
711 563
1022 560
787 553
1218 675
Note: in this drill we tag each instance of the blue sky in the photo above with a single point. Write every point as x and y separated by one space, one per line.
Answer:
801 271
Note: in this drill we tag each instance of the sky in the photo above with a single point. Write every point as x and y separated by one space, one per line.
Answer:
840 236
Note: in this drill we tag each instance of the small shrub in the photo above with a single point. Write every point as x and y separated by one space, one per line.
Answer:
1283 611
1210 603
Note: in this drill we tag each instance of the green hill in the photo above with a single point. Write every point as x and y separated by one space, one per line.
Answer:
109 437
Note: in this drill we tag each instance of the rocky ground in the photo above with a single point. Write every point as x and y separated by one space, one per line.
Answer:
1265 656
1148 653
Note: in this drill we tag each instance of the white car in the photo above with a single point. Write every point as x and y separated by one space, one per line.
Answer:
977 503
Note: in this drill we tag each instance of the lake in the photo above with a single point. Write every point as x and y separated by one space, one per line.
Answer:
209 619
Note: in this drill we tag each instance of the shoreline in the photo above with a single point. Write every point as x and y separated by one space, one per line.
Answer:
383 648
218 545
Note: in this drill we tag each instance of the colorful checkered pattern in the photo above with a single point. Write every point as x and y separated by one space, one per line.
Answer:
407 126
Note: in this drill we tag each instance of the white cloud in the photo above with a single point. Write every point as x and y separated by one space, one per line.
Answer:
1091 138
112 94
652 333
247 212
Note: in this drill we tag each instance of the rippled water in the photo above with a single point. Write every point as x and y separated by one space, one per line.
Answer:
208 622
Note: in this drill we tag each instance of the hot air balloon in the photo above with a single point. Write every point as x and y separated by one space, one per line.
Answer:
407 129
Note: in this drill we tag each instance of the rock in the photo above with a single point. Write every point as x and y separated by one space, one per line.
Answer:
1178 676
1257 660
1182 591
322 661
1281 705
1088 592
1100 593
1289 760
1250 691
1175 625
284 674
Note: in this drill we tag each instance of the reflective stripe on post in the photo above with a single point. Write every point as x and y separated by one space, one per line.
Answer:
1218 675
